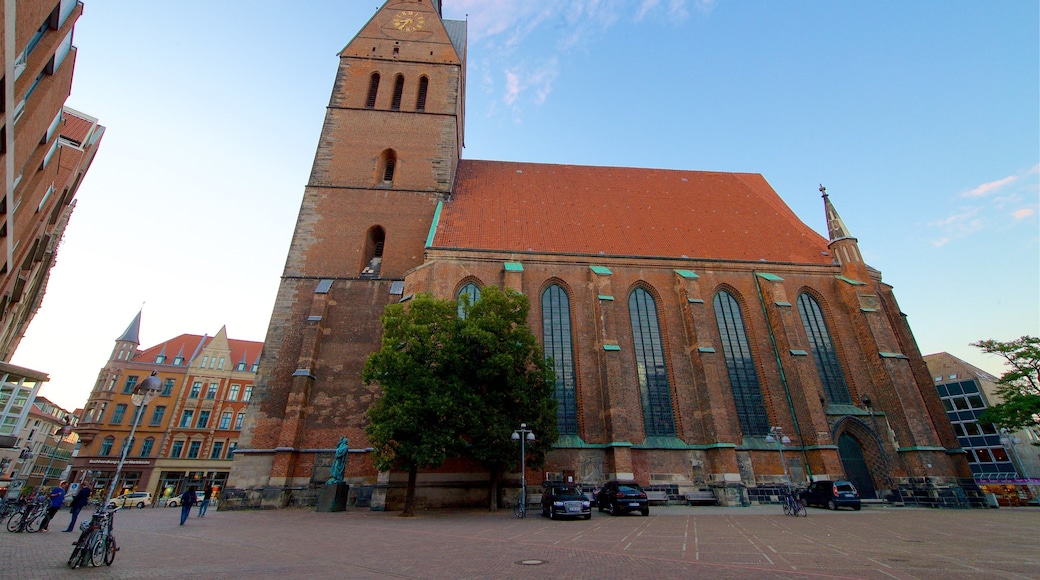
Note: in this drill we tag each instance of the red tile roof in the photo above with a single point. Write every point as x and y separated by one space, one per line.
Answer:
619 211
186 345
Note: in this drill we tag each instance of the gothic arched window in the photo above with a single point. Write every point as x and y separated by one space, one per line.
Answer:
373 260
652 373
471 292
826 357
373 90
556 340
743 379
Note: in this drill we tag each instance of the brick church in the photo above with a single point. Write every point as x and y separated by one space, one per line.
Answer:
688 314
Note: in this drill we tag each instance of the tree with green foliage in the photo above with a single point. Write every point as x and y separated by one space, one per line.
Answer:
505 368
421 418
1019 387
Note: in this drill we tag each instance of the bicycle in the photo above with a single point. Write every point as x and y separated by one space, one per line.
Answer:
96 543
28 517
792 505
8 507
520 509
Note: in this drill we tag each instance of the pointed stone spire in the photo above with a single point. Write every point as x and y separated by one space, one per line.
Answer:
844 247
835 227
132 332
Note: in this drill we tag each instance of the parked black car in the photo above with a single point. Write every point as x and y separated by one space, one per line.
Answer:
564 500
618 497
832 495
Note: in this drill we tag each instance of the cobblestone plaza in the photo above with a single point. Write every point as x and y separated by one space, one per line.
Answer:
674 542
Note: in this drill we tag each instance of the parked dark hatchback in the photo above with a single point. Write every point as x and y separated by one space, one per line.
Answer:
618 497
832 495
562 500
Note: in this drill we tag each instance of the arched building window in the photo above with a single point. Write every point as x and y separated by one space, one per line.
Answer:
395 104
743 379
373 260
826 358
420 101
650 366
373 90
471 292
556 340
146 446
387 167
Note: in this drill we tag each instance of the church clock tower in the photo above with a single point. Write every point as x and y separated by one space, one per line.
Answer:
388 152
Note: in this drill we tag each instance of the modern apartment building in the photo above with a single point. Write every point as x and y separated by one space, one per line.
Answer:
18 388
45 149
1004 463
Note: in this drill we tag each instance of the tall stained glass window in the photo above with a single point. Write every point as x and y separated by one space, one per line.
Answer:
472 292
653 376
556 340
826 358
743 379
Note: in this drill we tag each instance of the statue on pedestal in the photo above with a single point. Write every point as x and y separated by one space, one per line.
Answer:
339 463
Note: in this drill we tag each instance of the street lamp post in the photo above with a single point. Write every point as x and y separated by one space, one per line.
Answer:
523 434
65 430
776 435
143 393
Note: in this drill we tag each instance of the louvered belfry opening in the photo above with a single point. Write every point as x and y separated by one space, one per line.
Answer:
395 105
373 90
420 101
374 244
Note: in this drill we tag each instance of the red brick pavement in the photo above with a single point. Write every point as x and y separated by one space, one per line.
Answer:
674 542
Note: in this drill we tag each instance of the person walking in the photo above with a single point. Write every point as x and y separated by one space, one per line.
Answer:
57 497
187 500
81 499
204 504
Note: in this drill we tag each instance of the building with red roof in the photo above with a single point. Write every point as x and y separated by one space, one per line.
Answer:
704 338
188 431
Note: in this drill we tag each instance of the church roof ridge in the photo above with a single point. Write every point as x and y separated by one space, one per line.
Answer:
623 211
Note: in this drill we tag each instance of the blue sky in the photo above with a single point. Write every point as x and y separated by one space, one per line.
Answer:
921 118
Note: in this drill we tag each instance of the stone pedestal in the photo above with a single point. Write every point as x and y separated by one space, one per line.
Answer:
333 497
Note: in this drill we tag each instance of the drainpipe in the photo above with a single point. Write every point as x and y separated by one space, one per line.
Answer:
783 377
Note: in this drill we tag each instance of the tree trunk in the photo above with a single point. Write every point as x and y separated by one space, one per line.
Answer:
409 494
493 491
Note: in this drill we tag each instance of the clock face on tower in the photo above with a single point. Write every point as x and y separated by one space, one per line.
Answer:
408 21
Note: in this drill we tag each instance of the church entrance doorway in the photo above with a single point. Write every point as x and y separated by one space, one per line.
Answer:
856 466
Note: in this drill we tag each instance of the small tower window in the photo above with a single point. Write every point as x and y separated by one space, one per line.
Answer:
395 105
387 167
374 242
420 101
373 90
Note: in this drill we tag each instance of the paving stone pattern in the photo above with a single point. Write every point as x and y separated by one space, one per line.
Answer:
674 542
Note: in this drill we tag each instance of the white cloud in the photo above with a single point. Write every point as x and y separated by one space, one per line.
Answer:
1023 213
503 25
994 186
962 224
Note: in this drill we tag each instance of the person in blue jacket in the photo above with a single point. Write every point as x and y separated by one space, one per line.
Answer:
187 500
